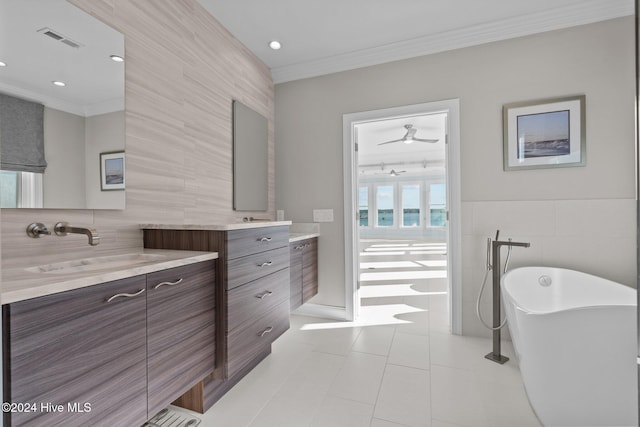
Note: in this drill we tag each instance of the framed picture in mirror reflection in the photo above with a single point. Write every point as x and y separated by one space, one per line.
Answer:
112 170
544 134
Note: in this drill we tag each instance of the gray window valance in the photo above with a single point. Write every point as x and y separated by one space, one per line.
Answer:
21 135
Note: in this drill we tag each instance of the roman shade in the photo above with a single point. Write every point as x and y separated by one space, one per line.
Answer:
22 130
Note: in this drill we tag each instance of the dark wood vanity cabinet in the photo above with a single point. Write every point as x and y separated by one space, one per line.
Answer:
82 347
252 303
126 348
304 271
180 331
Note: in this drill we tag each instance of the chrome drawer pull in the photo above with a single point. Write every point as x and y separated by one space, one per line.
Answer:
264 239
299 247
177 282
266 331
124 295
264 295
266 264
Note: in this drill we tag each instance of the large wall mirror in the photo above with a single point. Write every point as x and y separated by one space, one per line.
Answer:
62 91
250 159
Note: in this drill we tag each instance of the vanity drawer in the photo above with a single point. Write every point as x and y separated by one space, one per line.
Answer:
246 343
252 267
251 241
256 298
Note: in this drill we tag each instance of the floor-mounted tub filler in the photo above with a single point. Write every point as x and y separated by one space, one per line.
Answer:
575 337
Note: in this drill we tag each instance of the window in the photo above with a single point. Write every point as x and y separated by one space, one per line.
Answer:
411 205
9 189
419 203
385 204
363 205
437 205
21 189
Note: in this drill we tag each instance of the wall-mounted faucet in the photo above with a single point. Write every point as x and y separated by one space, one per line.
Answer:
63 228
37 229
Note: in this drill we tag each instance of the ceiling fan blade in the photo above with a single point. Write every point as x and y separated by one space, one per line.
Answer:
426 140
389 142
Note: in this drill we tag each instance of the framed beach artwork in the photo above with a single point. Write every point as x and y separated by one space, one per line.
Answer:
544 134
112 171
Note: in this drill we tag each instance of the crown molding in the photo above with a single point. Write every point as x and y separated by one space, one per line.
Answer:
581 13
109 106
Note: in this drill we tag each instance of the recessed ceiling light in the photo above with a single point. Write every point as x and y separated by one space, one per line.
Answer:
275 45
59 83
2 64
117 58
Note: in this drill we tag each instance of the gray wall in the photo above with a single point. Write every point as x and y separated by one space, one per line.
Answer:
103 133
579 218
64 135
72 148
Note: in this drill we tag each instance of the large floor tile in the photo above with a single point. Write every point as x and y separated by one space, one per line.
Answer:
416 323
294 409
338 412
300 396
507 404
405 396
456 397
360 378
384 423
374 340
410 350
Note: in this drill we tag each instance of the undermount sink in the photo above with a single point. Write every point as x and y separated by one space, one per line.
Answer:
96 263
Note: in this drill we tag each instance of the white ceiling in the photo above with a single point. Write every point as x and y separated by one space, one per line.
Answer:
321 37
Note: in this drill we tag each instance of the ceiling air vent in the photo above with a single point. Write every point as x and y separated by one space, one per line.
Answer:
56 35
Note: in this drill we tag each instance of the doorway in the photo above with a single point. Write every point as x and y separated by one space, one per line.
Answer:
402 205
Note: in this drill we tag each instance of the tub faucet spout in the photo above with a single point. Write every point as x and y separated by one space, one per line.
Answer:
499 243
63 228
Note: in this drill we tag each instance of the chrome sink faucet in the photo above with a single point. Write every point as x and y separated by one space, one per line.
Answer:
63 228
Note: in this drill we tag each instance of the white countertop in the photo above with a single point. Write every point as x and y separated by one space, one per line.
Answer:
296 237
215 227
18 283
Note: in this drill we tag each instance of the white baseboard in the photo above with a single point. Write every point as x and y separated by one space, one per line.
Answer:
323 311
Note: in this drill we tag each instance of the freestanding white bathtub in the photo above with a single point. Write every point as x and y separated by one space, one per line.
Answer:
575 339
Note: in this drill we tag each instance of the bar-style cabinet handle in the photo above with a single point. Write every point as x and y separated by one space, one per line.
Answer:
264 295
177 282
265 239
125 295
266 264
266 331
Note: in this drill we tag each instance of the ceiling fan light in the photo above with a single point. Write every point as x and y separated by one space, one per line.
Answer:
408 141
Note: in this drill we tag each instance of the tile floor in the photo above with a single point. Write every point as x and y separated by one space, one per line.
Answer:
396 366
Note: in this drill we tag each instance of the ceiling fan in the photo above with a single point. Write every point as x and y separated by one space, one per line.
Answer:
409 137
392 172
